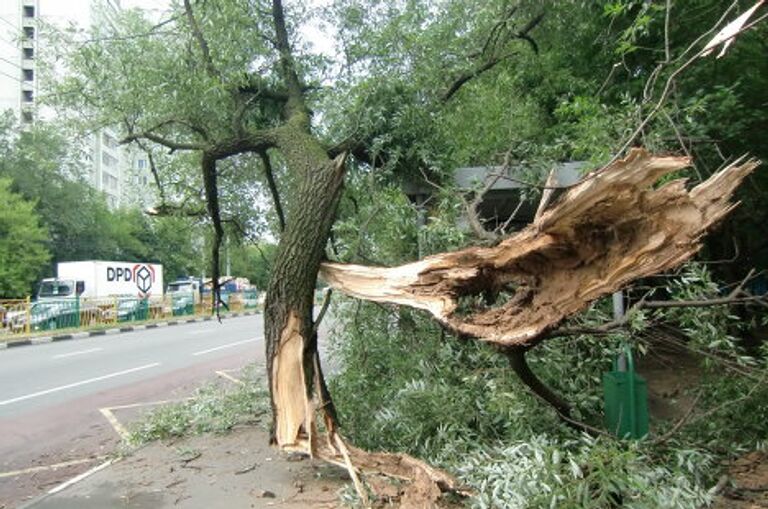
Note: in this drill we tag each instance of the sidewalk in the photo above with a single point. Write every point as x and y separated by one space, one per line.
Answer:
238 470
126 327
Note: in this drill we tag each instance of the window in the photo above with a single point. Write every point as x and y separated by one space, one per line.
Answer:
109 141
108 181
108 160
27 96
29 11
28 74
141 164
29 32
28 53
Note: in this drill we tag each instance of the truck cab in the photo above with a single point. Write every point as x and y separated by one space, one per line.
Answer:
53 288
188 286
184 295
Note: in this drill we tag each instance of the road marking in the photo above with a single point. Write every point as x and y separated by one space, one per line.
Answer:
229 377
229 345
77 384
82 476
55 466
109 415
148 403
81 352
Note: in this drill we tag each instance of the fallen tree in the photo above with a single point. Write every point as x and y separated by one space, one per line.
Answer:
612 228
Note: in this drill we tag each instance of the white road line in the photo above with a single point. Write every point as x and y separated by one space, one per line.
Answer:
82 476
77 384
229 345
81 352
229 377
55 466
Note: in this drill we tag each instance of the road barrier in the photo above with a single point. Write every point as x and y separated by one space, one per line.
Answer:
21 317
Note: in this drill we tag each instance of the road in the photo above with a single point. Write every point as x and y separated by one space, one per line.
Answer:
51 394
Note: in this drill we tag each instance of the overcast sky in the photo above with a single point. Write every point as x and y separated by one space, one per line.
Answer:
62 12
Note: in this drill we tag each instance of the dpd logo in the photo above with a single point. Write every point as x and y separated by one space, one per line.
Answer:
141 275
144 277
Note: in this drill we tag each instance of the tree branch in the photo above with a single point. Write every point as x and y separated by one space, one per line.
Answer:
498 37
208 164
273 188
296 107
201 42
153 169
519 364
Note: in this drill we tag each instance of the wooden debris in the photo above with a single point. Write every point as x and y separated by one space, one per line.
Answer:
613 227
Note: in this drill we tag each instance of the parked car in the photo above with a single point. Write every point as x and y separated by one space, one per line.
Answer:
43 315
129 309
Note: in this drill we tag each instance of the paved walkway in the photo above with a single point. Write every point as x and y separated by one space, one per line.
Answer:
237 471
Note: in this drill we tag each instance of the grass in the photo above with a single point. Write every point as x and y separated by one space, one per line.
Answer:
214 408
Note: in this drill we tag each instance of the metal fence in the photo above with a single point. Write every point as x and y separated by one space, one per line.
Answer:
25 316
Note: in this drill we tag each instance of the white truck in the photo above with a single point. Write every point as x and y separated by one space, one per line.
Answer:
96 279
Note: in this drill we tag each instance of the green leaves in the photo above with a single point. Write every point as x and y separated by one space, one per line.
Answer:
23 252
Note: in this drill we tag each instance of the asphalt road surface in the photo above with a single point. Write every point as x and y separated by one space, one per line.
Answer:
51 394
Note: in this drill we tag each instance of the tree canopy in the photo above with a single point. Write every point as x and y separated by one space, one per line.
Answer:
23 253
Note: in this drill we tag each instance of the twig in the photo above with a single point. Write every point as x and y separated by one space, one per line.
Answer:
247 469
351 469
673 76
680 423
546 196
321 314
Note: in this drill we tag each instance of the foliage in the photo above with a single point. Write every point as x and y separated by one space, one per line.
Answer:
585 473
406 386
212 409
253 262
22 243
41 166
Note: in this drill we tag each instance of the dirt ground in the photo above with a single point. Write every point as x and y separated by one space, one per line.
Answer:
237 470
745 486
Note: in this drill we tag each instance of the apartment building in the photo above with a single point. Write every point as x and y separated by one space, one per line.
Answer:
121 173
18 50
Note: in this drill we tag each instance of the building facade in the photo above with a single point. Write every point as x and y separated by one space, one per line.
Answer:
121 173
18 52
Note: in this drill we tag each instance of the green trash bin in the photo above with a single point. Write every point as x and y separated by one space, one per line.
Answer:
626 399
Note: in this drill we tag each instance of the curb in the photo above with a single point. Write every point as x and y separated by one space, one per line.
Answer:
39 340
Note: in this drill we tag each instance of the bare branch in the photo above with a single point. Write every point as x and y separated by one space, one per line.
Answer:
546 196
212 199
499 35
474 217
273 188
323 310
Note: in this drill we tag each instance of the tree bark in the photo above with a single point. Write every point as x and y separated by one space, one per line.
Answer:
292 363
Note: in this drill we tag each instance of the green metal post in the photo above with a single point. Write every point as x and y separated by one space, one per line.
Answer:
28 309
77 311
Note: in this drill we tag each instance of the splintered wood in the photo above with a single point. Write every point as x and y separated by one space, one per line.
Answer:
617 225
288 390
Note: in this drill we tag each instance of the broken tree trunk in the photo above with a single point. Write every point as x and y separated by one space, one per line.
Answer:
614 227
298 391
